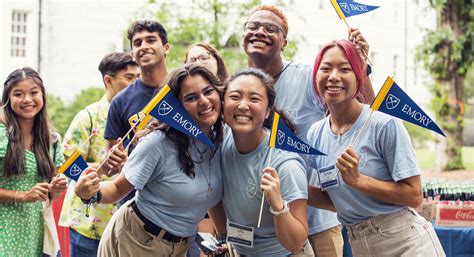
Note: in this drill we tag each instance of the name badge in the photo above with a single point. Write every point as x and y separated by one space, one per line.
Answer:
239 234
328 177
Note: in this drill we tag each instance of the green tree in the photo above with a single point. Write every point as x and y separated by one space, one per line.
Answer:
217 22
56 111
62 115
447 53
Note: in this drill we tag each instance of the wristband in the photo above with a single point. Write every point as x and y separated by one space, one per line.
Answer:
285 210
95 199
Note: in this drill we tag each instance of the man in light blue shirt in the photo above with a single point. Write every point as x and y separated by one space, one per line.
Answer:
264 40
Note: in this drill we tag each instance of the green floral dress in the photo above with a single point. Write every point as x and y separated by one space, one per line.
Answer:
21 225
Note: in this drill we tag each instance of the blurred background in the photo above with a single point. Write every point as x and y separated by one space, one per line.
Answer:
427 46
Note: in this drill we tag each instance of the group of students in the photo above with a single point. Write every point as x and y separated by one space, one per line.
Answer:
179 179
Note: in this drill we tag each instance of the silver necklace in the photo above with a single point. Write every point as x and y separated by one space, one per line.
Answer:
344 129
201 160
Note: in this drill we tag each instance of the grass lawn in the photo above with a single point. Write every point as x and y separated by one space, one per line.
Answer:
426 158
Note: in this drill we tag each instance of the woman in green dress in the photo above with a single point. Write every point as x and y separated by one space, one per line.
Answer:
27 170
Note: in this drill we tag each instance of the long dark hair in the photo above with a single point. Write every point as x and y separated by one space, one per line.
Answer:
13 163
268 83
182 142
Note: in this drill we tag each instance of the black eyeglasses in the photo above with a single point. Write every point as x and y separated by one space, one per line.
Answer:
203 58
268 27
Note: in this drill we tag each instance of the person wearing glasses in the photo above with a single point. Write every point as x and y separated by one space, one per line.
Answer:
264 41
209 57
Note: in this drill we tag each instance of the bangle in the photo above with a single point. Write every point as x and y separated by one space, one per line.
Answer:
285 210
16 194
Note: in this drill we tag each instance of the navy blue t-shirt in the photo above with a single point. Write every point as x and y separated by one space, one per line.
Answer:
125 110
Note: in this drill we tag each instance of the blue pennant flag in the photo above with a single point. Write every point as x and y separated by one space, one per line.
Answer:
348 8
281 137
166 108
393 101
74 166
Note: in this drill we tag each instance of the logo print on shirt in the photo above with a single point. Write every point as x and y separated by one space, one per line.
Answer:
362 159
392 102
292 113
251 188
164 108
134 119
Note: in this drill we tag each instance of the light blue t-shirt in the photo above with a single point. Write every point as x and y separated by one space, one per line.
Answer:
295 95
242 195
385 154
166 195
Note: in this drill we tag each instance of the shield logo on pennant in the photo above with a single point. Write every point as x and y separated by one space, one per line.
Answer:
75 170
344 7
251 188
391 102
164 108
281 137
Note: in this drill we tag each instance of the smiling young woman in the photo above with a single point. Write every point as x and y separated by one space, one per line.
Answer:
375 184
177 178
249 99
27 169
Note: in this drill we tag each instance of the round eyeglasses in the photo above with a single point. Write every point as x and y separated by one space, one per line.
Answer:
270 28
202 58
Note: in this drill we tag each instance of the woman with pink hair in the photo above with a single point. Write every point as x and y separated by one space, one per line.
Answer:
374 183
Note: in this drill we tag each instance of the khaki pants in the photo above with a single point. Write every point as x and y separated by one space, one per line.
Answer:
306 251
125 236
404 233
328 243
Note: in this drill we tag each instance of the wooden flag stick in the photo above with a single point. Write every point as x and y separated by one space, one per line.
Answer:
263 195
87 140
362 50
354 142
119 142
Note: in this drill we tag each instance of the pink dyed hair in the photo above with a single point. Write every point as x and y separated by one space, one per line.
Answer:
355 60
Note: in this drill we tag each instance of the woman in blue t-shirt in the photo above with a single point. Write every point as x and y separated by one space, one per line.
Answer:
375 184
177 178
247 175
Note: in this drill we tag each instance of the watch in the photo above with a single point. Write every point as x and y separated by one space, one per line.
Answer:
286 209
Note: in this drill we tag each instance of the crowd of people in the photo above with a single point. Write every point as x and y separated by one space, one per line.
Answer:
158 186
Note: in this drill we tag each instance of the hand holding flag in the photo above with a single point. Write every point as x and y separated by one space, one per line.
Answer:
57 185
348 8
116 159
282 137
88 184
